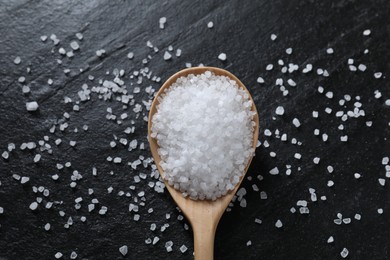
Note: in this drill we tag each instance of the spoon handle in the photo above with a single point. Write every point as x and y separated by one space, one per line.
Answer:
204 234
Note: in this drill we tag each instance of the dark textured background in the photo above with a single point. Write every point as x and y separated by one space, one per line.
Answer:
242 30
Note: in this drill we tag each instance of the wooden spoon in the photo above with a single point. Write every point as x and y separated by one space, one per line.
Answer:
203 215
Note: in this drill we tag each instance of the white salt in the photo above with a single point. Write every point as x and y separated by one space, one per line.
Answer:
167 56
296 122
32 106
279 110
123 250
199 119
222 56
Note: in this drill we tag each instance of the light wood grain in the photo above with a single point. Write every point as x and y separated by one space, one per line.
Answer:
203 215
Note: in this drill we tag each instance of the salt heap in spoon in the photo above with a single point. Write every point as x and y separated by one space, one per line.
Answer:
204 129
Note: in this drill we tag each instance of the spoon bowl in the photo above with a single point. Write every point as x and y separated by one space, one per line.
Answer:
203 215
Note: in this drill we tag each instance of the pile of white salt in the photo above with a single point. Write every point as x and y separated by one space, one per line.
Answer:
204 129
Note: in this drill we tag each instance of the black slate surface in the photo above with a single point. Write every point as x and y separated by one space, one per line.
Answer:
242 30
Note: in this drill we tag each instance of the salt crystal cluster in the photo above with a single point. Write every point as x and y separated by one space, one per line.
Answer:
204 128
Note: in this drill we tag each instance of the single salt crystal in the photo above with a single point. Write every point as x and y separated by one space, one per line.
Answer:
258 221
17 60
5 155
117 160
385 160
183 249
43 38
297 156
344 253
162 22
123 250
130 55
210 25
34 205
249 243
291 82
24 180
1 210
289 51
222 56
269 67
357 175
58 255
367 32
362 67
47 226
74 45
37 158
274 171
329 94
378 75
330 183
347 220
273 37
381 181
330 168
278 224
380 211
155 240
387 102
296 122
279 110
330 240
73 255
32 106
260 80
79 36
344 138
358 216
337 221
167 56
329 51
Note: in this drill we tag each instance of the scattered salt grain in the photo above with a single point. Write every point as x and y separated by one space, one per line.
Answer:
344 253
58 255
279 110
162 22
183 249
260 80
34 205
222 56
278 224
366 32
123 250
274 171
32 106
47 226
273 37
210 25
167 56
296 122
362 67
330 240
17 60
